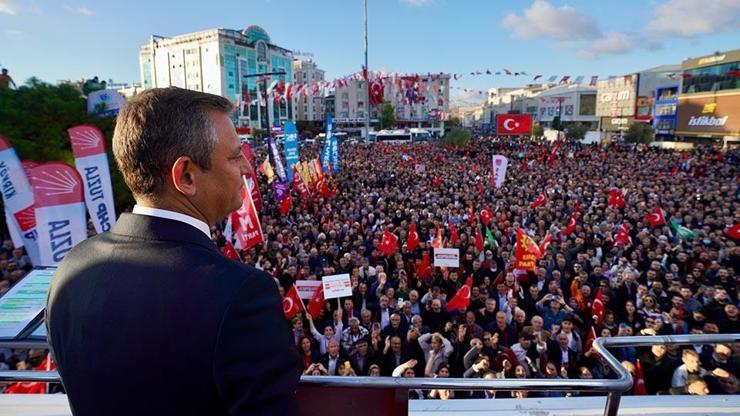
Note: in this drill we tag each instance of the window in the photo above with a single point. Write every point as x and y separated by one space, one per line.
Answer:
664 124
665 109
711 78
668 94
588 105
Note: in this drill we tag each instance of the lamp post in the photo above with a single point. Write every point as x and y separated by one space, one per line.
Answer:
367 86
263 81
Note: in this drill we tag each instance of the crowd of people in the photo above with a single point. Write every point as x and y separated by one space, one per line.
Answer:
518 324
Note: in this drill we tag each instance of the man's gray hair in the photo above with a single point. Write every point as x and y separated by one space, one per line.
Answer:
157 127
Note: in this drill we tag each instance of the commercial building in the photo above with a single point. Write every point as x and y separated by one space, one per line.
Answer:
521 100
664 111
225 62
709 101
572 103
308 108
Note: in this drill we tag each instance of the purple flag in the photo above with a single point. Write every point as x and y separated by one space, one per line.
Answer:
280 189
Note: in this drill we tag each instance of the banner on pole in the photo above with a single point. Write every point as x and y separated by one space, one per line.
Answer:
91 161
306 288
337 286
500 163
60 210
18 199
291 148
246 223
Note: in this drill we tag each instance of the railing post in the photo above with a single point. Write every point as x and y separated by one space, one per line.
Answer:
612 403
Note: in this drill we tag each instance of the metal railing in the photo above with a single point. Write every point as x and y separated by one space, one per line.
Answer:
613 387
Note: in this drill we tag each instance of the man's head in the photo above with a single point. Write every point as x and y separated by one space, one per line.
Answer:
333 348
177 149
691 359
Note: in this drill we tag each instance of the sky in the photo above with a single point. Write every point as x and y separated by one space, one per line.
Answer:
61 39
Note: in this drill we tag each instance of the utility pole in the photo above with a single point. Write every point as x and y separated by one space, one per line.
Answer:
367 86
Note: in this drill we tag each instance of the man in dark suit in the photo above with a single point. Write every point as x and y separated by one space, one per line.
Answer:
150 318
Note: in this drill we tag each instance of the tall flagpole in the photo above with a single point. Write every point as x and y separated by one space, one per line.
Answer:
367 86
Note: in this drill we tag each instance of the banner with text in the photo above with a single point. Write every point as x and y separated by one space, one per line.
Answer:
246 223
306 288
500 163
337 286
446 257
18 199
91 161
60 210
291 148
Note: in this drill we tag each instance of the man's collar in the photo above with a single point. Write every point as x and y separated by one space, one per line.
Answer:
172 215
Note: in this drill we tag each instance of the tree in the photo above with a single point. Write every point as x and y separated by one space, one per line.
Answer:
557 124
639 133
576 131
454 122
35 119
537 130
387 115
457 136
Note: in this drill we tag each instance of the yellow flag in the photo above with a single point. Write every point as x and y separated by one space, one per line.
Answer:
267 168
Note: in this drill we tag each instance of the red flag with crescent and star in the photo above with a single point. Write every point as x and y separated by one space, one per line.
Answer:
486 215
388 244
733 231
545 243
461 300
656 218
425 268
230 252
623 235
571 227
413 241
292 303
540 200
616 198
454 237
317 301
597 308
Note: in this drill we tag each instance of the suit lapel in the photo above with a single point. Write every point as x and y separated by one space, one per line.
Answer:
155 228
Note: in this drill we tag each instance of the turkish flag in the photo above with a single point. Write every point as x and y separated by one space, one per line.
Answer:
656 218
733 231
486 215
454 238
478 240
246 223
292 303
597 308
639 388
461 300
589 339
540 200
616 198
285 205
513 124
437 242
527 251
545 243
230 252
413 241
623 235
33 387
317 301
436 182
571 227
425 268
388 244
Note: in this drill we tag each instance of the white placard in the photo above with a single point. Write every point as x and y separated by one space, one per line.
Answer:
306 288
337 286
446 257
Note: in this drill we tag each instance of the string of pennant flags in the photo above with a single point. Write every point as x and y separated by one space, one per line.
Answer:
411 87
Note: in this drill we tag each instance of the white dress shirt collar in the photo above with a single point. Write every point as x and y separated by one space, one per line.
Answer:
172 215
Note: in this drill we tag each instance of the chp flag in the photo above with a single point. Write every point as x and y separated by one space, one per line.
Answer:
60 210
91 161
291 148
246 223
18 199
513 124
500 163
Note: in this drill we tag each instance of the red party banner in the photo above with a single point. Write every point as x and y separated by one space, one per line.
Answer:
246 223
61 222
513 124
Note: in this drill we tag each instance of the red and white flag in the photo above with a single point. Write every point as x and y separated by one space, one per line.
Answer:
486 215
316 304
60 210
597 308
413 240
656 218
18 200
545 243
461 300
623 235
540 200
616 198
246 223
230 251
733 231
292 303
388 244
91 161
500 163
570 228
251 178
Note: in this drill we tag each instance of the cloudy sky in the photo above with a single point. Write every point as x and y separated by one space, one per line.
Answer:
69 40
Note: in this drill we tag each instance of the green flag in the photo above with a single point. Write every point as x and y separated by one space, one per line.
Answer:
682 232
489 236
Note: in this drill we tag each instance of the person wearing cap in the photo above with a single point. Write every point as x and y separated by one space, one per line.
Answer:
353 334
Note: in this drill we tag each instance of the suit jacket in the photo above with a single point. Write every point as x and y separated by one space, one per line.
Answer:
151 319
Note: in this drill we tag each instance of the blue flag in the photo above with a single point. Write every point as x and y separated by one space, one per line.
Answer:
327 151
279 169
291 148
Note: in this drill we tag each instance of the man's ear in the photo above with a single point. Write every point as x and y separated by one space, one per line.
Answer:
183 175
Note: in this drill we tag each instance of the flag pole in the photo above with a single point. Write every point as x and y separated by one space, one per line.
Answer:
299 297
367 86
